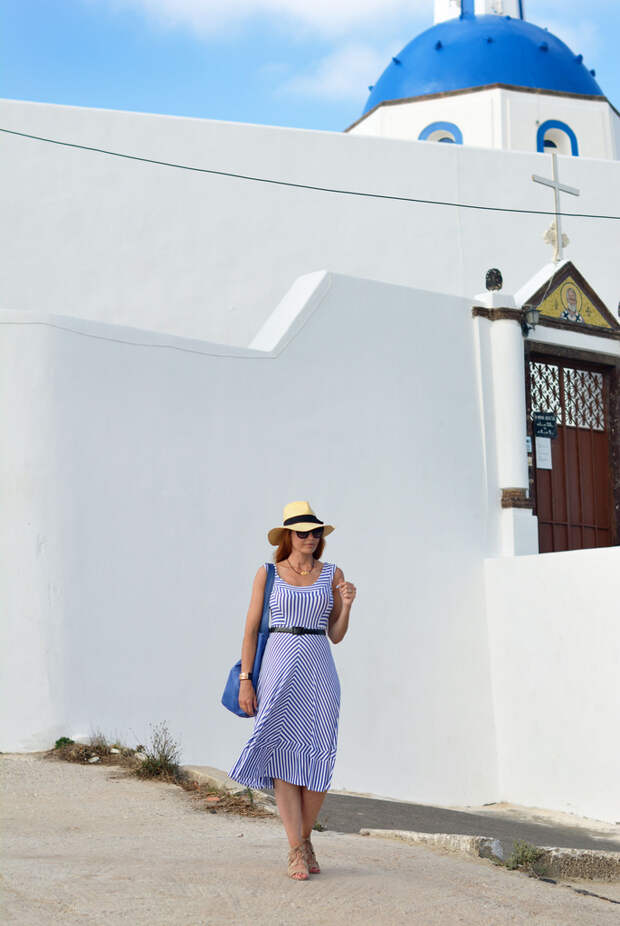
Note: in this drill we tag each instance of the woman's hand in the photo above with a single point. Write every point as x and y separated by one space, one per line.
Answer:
247 697
347 593
339 618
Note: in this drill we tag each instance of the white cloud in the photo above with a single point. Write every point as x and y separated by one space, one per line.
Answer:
326 16
335 17
342 75
357 31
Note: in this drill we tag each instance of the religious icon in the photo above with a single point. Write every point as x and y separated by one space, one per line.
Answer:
571 303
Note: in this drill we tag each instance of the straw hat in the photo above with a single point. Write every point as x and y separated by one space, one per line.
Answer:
297 516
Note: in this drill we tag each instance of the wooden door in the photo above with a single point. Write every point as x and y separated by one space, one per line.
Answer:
573 492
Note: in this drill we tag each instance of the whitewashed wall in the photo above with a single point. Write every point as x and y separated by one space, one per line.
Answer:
555 651
149 495
615 122
590 120
499 118
478 115
32 548
208 257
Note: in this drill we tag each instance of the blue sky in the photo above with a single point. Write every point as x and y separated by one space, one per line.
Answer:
303 63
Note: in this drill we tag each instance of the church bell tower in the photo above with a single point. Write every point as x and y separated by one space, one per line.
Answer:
453 9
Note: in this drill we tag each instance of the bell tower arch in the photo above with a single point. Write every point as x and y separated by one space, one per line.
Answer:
453 9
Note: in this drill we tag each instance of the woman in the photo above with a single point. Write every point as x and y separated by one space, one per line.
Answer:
297 696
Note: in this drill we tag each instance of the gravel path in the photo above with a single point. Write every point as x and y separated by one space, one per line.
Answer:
87 845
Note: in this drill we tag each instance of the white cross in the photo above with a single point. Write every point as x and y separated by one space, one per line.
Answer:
557 189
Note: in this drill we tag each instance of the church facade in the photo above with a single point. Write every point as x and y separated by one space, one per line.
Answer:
415 328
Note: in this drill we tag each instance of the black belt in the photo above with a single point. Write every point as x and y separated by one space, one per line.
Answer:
295 630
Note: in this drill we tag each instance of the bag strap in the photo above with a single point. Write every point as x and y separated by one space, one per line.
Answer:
264 622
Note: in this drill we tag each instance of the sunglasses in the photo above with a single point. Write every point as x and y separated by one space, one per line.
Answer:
316 533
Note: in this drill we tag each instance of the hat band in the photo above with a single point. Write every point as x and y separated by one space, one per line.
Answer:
300 519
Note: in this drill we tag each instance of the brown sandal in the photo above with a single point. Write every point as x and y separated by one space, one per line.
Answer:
297 868
313 866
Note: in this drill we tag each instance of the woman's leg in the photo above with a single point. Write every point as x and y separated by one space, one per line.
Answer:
310 805
288 799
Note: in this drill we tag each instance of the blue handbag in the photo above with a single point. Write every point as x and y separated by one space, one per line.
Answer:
230 698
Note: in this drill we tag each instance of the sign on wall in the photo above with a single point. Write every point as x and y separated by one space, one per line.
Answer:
545 424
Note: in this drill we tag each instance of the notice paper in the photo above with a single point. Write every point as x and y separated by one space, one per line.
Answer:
543 453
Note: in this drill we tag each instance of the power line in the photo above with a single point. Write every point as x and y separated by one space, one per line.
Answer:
307 186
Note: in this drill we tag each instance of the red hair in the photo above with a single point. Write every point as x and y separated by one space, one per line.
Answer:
285 547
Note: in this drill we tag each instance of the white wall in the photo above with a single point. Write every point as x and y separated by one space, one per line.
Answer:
614 118
32 586
208 257
589 120
478 116
501 385
555 651
499 118
169 461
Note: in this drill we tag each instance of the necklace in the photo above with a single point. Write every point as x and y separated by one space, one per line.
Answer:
304 572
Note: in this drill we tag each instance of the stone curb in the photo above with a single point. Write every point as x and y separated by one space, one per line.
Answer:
215 778
479 846
561 863
582 863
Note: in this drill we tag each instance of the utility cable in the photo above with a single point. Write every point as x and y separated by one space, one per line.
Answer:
308 186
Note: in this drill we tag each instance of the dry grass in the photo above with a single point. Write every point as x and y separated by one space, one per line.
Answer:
160 761
69 751
217 799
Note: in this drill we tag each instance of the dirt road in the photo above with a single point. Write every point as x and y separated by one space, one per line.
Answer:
87 845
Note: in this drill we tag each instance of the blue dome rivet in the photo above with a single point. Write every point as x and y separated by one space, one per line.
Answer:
544 46
438 45
579 59
593 72
371 87
396 60
490 39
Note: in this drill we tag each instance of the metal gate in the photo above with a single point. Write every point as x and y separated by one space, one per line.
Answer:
572 483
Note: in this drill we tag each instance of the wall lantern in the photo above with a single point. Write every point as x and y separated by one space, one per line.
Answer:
530 317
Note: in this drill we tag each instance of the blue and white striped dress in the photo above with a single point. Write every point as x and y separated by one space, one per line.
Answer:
298 693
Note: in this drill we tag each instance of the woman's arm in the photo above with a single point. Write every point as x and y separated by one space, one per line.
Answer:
344 593
247 694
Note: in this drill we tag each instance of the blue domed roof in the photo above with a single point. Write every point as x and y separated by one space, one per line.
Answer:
473 51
